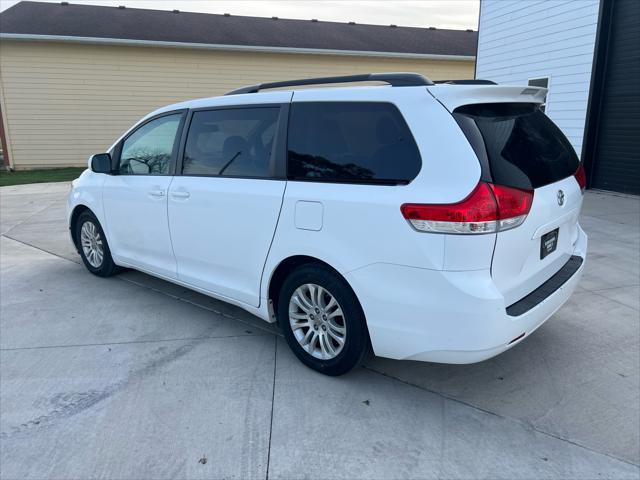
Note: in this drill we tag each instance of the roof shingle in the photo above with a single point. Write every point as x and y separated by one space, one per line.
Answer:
38 18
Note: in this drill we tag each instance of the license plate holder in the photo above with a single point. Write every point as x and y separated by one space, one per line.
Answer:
549 243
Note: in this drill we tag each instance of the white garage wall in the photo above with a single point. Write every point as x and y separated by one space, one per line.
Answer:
524 39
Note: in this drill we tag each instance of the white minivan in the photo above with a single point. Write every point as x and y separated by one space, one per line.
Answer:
433 222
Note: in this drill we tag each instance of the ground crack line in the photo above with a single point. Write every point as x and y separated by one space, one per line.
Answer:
273 397
489 412
186 339
38 248
29 217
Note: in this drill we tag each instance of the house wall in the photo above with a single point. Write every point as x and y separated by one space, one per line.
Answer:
523 39
63 101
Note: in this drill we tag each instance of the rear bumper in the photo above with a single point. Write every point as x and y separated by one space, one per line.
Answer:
448 317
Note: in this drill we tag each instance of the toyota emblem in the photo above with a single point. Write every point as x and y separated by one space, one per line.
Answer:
560 197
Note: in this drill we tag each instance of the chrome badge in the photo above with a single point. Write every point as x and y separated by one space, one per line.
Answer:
560 197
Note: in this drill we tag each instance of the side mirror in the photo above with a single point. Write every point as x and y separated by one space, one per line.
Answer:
101 163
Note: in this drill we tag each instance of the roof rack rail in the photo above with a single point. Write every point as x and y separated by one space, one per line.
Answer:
393 79
467 82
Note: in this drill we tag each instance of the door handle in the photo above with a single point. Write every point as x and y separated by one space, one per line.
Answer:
180 194
156 193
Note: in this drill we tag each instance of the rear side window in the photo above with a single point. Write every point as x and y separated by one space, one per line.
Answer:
231 142
354 142
517 144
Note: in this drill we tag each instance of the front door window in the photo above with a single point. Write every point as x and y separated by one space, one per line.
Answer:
150 149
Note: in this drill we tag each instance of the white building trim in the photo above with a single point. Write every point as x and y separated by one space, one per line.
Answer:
237 48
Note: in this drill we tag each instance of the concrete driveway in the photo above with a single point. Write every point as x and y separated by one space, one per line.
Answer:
132 377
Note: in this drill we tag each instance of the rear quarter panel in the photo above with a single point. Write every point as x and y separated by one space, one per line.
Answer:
362 224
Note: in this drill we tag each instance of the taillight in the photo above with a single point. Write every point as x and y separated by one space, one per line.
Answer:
513 205
488 209
581 177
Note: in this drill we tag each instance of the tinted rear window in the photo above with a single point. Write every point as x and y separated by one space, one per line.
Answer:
517 144
355 142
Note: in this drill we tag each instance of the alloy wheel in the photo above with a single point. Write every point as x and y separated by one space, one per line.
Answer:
317 321
91 243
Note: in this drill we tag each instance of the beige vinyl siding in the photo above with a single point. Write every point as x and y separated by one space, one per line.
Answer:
66 101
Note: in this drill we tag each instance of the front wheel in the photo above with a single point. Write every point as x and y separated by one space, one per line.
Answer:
322 320
93 247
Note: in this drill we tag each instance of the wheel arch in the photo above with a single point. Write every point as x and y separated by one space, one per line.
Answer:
73 219
289 264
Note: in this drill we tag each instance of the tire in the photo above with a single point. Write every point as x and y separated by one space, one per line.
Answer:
302 318
102 266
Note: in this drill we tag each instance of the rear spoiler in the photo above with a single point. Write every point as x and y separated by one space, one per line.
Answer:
454 96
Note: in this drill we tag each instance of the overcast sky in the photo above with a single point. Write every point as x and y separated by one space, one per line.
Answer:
458 14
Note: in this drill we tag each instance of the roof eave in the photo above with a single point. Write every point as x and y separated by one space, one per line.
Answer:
237 48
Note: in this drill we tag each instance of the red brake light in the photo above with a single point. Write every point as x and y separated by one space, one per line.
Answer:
513 203
488 209
479 206
581 177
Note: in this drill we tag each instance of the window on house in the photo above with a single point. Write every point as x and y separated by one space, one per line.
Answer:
540 82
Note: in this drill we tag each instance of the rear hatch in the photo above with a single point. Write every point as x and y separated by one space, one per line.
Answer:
518 146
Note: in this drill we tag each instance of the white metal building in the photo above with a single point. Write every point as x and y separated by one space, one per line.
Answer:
587 53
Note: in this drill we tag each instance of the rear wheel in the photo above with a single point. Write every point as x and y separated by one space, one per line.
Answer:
93 247
322 320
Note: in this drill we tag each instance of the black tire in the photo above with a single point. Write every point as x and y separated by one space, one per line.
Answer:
356 340
107 267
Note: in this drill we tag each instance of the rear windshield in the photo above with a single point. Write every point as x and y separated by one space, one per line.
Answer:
517 144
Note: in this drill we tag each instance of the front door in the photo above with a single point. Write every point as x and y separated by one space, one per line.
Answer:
135 196
224 207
